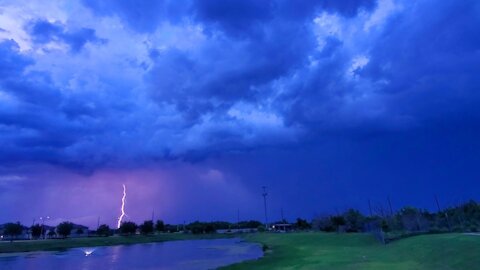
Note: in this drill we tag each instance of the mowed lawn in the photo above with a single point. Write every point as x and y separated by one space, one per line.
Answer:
362 251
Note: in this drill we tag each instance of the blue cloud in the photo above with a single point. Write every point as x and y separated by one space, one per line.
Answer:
199 83
260 77
43 32
356 96
12 63
141 15
233 16
429 64
347 8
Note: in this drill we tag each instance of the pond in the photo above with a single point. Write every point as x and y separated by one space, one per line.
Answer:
187 254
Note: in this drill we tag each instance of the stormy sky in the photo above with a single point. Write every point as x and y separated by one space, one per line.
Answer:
196 104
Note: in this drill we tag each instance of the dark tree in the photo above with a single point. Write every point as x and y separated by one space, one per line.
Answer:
385 226
302 224
354 220
196 227
413 219
323 223
146 227
251 224
104 230
36 231
172 228
64 229
51 234
13 230
338 222
210 228
79 231
160 226
128 228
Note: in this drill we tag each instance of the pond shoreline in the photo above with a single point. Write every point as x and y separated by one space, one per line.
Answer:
23 246
195 254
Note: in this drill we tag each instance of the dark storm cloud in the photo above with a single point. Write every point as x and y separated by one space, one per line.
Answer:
430 65
32 88
40 123
420 71
226 72
232 16
35 89
328 103
235 17
347 7
256 61
306 9
257 42
11 63
141 15
43 32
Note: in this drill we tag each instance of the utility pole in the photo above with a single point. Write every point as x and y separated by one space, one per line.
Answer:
446 214
33 223
43 229
370 207
264 194
390 206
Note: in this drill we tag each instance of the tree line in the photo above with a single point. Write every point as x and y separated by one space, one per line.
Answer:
385 225
37 231
63 230
390 225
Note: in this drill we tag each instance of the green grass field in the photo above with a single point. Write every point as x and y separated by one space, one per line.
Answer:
61 244
361 251
314 250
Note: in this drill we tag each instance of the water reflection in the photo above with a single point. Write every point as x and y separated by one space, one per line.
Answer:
194 254
88 251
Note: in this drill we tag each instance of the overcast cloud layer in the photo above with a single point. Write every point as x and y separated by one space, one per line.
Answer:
90 83
93 85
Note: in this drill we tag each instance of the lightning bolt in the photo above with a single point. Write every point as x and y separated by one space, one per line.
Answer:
120 218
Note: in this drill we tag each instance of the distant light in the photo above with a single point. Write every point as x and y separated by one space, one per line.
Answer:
88 252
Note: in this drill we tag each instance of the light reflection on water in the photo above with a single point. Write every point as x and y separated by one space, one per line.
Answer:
88 251
190 254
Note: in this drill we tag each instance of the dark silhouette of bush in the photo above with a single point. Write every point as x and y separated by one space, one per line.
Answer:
128 228
36 231
13 230
64 229
104 230
146 227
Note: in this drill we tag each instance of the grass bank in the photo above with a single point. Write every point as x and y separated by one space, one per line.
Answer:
62 244
361 251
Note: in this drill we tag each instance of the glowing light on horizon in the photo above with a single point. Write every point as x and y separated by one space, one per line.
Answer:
123 207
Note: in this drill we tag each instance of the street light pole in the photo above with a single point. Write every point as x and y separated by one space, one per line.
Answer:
264 194
42 229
